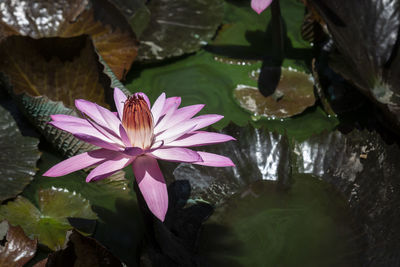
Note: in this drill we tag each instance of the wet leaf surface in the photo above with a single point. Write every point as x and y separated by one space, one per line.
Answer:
365 35
294 93
307 224
43 19
82 251
17 158
258 155
49 222
16 248
177 27
363 168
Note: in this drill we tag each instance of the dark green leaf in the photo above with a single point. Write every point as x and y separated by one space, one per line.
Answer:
179 26
366 36
17 158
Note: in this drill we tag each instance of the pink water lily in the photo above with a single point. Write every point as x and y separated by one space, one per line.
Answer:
260 5
138 134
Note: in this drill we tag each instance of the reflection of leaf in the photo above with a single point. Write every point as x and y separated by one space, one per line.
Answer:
38 83
17 158
82 251
48 223
366 35
294 93
258 155
179 26
366 171
18 249
70 19
263 226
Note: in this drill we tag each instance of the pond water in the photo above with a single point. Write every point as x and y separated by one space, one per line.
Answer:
306 225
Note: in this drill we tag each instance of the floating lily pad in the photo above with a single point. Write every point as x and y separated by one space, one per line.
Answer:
262 226
17 158
45 86
16 248
202 79
49 222
294 93
82 251
43 19
258 154
366 170
177 27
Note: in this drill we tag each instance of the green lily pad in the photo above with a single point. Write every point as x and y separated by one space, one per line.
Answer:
17 248
49 222
365 170
262 226
112 37
201 78
17 158
294 93
177 27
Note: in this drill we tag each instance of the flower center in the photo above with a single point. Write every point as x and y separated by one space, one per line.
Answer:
138 121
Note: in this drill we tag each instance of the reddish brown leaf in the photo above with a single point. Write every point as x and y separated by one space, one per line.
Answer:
18 249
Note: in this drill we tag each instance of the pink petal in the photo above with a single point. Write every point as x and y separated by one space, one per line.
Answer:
200 138
158 107
145 98
206 120
214 160
173 133
163 120
80 161
100 115
68 118
177 154
181 115
260 5
171 102
108 167
152 185
85 132
119 99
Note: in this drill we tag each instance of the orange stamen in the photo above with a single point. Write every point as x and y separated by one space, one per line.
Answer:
138 122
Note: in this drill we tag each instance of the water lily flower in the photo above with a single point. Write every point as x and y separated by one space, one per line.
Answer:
139 134
260 5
